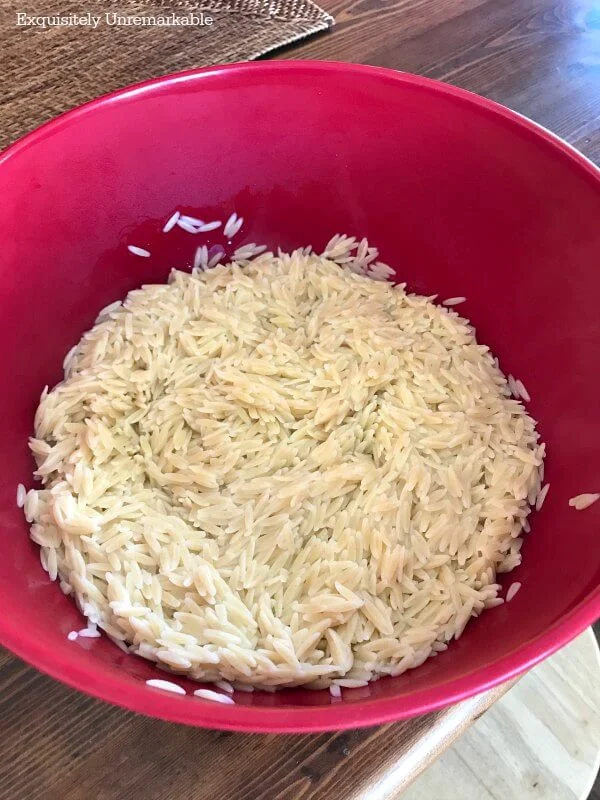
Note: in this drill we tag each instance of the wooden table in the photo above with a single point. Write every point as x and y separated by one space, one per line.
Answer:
57 744
541 740
540 57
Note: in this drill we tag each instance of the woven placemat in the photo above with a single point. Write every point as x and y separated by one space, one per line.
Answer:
60 53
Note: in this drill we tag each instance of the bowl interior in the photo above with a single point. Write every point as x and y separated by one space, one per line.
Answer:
462 197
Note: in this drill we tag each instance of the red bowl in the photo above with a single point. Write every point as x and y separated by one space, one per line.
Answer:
462 195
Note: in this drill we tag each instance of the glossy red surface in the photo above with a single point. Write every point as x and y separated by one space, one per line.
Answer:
462 195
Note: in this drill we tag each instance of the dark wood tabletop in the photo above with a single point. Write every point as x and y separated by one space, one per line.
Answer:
541 58
57 744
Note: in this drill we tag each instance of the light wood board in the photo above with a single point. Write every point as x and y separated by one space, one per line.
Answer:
540 741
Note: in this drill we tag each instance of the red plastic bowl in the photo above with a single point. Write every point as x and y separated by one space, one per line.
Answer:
463 196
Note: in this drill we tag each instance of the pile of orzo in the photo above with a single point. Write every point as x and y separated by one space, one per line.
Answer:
282 472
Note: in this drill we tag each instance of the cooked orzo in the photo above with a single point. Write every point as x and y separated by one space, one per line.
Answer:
282 472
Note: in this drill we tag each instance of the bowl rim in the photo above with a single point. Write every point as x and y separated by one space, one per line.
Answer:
337 716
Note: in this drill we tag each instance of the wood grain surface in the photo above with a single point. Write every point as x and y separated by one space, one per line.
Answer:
540 57
541 741
56 744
